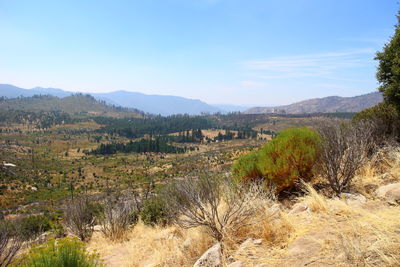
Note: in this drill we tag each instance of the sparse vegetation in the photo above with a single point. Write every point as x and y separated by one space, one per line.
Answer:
116 218
10 243
345 148
32 226
79 217
62 252
154 211
211 202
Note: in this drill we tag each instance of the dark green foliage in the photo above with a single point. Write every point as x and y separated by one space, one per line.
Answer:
385 116
193 136
137 127
154 211
283 161
32 226
388 73
66 252
144 145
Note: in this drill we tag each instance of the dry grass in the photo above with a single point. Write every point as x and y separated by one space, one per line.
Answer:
315 201
154 246
382 169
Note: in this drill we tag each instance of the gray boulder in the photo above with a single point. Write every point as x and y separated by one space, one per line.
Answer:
211 258
390 192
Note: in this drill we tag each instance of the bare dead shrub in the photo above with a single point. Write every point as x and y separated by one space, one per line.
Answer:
10 243
209 201
345 148
116 218
142 190
80 217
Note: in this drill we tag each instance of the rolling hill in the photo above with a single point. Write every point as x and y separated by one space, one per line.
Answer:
329 104
73 104
155 104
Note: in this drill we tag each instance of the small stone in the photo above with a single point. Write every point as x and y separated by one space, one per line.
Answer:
299 208
211 258
257 241
354 199
236 264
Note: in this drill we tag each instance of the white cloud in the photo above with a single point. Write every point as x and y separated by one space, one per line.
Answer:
312 65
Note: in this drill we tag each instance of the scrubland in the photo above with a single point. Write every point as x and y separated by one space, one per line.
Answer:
313 230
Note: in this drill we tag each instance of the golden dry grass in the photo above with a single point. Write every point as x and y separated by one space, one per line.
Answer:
153 246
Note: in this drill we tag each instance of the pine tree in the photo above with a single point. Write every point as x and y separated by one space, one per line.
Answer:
388 73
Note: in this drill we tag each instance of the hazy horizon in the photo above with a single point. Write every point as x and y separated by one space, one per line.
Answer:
262 53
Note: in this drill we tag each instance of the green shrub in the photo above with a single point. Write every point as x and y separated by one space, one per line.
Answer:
246 167
154 211
385 116
282 161
67 252
32 226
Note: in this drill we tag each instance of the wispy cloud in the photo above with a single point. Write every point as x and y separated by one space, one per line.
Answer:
312 65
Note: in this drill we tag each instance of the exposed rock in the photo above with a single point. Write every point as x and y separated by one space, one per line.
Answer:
236 264
244 248
211 258
249 242
306 245
390 192
257 241
299 208
354 199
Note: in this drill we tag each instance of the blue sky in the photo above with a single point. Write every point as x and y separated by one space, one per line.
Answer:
252 52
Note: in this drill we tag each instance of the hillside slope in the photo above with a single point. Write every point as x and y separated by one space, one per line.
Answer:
74 104
324 105
155 104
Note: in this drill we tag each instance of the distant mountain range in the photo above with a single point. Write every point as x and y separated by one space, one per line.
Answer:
329 104
155 104
168 105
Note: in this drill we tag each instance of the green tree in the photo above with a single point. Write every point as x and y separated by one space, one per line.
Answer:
388 73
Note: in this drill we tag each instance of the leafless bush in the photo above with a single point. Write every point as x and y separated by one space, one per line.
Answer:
116 218
212 202
141 191
10 243
344 150
80 217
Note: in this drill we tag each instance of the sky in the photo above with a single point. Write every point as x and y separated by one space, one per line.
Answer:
249 52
